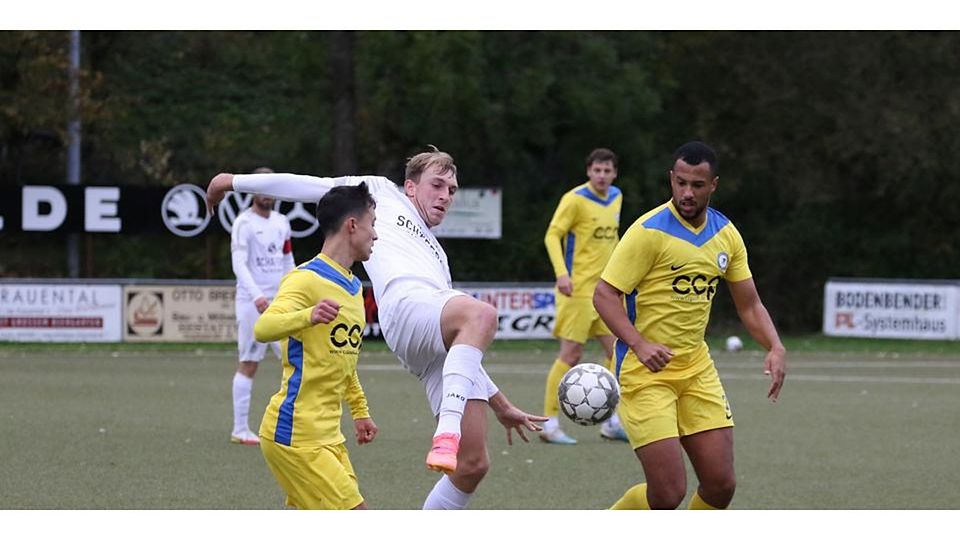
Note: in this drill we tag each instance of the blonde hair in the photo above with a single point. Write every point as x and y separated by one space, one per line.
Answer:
424 160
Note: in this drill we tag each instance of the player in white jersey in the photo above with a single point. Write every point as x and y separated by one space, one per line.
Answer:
439 334
262 254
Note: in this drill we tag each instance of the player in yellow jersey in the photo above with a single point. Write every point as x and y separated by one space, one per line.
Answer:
668 267
581 236
318 316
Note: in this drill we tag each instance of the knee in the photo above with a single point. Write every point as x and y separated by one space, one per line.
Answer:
470 471
571 357
485 316
720 489
666 497
247 369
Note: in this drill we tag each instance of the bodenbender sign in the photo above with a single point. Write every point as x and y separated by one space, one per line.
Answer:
879 309
71 313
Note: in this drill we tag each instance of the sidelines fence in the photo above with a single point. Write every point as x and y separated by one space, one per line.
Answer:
884 308
136 310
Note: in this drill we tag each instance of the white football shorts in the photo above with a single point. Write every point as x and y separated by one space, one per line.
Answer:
249 349
412 331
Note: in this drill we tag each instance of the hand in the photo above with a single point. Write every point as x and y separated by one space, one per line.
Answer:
565 285
513 418
262 304
218 187
365 430
653 355
325 311
775 365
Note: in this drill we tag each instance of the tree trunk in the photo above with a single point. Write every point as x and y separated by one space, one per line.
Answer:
344 128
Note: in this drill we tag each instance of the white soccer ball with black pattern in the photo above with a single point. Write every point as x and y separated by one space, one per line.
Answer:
589 394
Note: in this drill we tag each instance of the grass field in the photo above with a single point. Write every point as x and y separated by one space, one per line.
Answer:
860 424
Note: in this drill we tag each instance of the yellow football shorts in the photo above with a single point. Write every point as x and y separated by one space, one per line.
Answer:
577 320
656 406
315 478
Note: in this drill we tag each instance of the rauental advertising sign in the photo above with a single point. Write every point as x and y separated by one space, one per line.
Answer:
891 309
181 210
179 313
70 313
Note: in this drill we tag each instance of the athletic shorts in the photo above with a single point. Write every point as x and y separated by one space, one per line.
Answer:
249 349
315 478
412 331
655 406
577 320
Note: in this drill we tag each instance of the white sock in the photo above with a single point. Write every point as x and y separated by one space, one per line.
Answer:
459 371
446 496
551 424
242 385
614 421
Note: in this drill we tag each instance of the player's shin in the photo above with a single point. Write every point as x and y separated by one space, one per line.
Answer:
242 386
446 496
697 503
634 499
459 371
551 403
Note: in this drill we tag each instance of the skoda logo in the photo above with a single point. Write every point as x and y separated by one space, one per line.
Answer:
184 210
302 222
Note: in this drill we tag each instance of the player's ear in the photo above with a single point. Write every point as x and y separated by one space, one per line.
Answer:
409 187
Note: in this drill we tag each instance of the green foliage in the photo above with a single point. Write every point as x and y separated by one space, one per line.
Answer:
836 147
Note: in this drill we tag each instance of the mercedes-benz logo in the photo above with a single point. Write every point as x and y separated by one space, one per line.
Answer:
302 222
184 210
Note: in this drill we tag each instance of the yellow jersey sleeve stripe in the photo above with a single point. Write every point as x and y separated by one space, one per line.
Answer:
621 349
284 431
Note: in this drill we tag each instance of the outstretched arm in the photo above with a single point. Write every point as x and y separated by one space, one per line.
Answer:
757 321
285 186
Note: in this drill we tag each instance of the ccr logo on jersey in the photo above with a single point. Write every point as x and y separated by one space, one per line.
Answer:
342 335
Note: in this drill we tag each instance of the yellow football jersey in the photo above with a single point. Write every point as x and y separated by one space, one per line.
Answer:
319 361
669 272
582 234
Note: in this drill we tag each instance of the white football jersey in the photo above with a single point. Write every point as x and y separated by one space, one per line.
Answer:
261 253
406 255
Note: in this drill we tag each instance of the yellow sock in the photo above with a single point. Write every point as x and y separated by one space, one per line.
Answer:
551 403
697 503
634 499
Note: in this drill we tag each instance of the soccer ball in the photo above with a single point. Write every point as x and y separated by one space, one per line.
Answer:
589 394
734 344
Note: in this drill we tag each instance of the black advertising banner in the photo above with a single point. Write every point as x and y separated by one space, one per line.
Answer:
180 210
